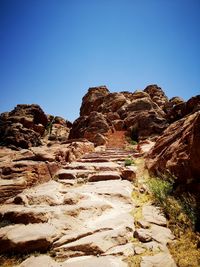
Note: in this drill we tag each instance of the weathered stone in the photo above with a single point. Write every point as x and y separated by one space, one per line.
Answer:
128 174
177 151
161 234
143 235
158 260
103 176
26 238
139 250
124 250
153 214
143 224
23 126
157 95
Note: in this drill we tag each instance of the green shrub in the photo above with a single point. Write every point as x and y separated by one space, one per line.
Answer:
128 162
160 188
133 142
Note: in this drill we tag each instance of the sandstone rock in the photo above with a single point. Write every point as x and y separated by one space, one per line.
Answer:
143 235
144 224
23 126
90 261
177 151
192 105
85 261
99 139
153 214
26 238
88 126
93 99
19 214
161 234
160 259
124 250
102 176
95 244
157 95
25 168
42 260
58 128
175 109
139 250
128 174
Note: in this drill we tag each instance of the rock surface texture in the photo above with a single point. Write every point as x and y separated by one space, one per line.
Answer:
23 126
140 114
83 216
178 150
27 167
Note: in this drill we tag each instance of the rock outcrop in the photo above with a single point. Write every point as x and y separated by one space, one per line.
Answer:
23 127
139 114
83 217
177 151
27 167
57 128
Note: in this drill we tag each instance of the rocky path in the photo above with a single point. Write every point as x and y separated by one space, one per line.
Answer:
85 217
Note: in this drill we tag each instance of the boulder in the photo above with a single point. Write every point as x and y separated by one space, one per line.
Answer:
157 95
58 128
177 151
140 114
23 126
89 126
27 167
27 238
93 99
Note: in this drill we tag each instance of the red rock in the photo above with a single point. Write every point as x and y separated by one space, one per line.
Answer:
23 126
177 150
157 95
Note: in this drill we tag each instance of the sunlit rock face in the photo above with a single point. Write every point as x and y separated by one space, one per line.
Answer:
139 114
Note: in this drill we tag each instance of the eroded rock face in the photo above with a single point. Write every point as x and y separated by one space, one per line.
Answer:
177 150
157 95
27 167
140 114
92 127
58 128
23 126
93 99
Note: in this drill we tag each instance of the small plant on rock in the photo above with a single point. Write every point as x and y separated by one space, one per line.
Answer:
128 162
160 188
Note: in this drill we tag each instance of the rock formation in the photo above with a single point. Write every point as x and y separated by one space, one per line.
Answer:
58 128
177 150
69 189
139 114
23 126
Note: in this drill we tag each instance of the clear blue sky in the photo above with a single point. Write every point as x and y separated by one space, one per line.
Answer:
52 51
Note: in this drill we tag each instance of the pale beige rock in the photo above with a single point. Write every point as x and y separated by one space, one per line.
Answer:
91 261
144 224
27 238
153 214
125 250
47 193
42 260
139 250
143 235
161 234
103 166
95 244
158 260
